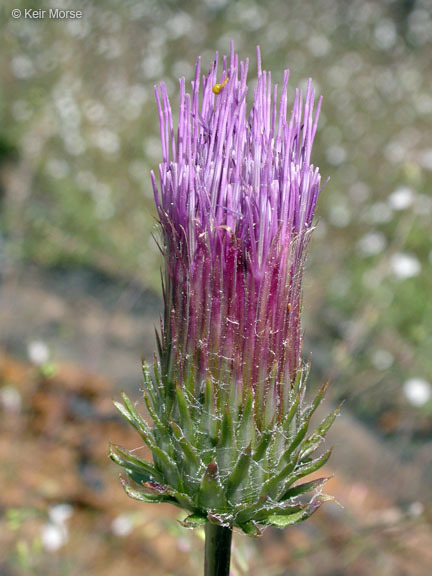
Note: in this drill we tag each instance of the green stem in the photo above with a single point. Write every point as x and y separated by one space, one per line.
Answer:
217 550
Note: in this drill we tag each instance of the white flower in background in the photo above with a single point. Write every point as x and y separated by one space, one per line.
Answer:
416 509
53 536
22 67
378 213
121 526
57 168
319 45
38 352
405 265
401 198
10 399
385 34
106 140
382 359
417 391
60 513
336 155
339 215
54 533
372 243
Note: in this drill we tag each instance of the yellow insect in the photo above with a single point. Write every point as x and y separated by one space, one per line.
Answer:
218 87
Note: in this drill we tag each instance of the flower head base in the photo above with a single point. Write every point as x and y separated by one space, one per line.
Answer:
236 202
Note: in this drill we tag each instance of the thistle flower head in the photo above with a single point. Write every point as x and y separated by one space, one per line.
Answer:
235 200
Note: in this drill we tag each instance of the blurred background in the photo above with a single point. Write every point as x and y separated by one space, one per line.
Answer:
79 276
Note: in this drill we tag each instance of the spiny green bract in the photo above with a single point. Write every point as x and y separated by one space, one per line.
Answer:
214 459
